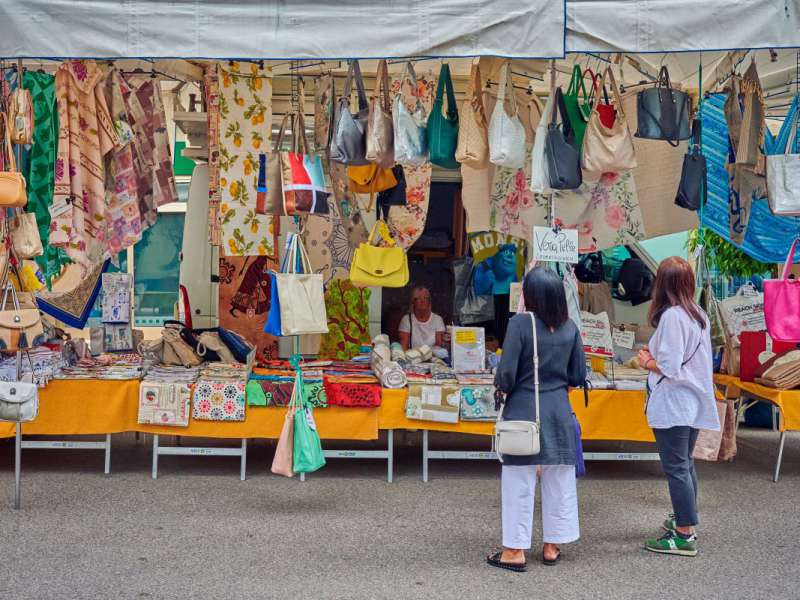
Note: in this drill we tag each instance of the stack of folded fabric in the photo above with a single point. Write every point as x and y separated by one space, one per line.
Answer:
273 386
105 366
165 393
782 371
46 363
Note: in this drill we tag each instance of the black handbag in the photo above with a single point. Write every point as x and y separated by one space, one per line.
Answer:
590 268
635 282
662 113
469 307
190 336
563 160
692 188
394 196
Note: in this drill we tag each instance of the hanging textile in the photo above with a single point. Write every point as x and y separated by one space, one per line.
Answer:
123 223
86 136
38 166
657 175
244 300
347 308
73 294
408 222
606 212
211 88
152 158
245 110
498 261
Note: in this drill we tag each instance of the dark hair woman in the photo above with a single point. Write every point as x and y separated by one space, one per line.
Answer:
681 396
561 364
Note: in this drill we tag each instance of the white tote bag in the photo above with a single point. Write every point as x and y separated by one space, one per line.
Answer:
301 295
506 132
783 178
410 135
539 176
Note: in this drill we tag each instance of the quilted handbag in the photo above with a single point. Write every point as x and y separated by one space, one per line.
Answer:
349 141
218 400
694 174
662 113
164 403
301 294
12 183
473 134
608 149
381 266
563 160
19 401
783 177
781 302
25 236
442 128
380 129
506 132
410 137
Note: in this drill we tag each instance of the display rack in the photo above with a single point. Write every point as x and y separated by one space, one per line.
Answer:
159 450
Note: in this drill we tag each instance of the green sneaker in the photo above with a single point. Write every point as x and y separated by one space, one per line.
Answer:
669 523
672 543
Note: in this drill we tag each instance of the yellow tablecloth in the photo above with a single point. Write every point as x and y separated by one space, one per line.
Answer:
89 407
787 401
611 415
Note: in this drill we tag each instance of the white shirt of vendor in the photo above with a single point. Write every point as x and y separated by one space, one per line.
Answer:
422 333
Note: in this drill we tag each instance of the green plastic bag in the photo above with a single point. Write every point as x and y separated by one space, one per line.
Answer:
578 105
442 130
307 455
255 394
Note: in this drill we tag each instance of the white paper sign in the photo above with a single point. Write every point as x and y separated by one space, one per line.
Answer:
515 291
596 334
623 338
557 245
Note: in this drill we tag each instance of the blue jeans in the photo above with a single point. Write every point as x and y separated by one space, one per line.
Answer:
675 447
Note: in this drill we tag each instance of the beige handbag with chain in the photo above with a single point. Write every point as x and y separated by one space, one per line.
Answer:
473 135
608 149
380 130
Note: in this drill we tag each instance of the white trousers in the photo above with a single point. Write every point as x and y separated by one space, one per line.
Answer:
559 505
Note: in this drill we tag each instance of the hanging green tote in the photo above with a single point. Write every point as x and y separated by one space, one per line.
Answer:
307 455
576 100
442 130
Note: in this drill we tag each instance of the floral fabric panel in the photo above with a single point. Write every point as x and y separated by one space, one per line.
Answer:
347 307
606 212
279 392
218 400
408 222
164 403
245 118
515 209
244 300
211 79
152 156
86 136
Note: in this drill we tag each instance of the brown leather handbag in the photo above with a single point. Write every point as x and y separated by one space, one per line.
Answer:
12 183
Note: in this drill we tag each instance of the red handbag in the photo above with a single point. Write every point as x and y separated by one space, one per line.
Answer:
607 111
352 394
754 343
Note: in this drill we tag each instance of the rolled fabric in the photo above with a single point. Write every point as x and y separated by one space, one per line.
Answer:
392 376
381 339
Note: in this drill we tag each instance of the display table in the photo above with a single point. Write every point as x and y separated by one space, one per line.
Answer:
747 393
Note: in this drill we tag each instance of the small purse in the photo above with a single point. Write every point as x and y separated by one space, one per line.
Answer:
521 438
380 130
370 179
25 236
349 141
12 183
506 132
19 401
563 160
692 187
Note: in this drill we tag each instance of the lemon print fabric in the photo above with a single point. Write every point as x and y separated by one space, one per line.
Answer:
245 118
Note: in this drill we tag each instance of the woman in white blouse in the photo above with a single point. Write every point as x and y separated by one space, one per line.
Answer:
680 396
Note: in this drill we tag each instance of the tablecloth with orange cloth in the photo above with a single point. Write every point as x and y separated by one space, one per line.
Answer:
787 401
91 406
611 415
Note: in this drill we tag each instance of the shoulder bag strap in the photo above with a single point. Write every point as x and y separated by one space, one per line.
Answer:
475 93
535 369
382 83
362 93
276 147
789 260
614 90
10 158
452 108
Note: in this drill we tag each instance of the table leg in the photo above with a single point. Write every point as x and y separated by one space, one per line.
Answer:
390 457
17 466
425 456
107 466
780 457
242 473
155 456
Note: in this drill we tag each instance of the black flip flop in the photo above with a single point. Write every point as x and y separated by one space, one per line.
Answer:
551 562
494 560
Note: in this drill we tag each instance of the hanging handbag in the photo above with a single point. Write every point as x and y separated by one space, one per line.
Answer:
472 148
380 130
370 179
662 113
410 138
577 106
20 328
607 111
25 236
781 302
273 324
506 132
282 461
12 183
176 350
783 177
394 196
442 129
349 141
469 306
301 294
21 116
269 189
324 111
692 187
608 149
563 161
540 178
307 454
521 438
19 401
381 266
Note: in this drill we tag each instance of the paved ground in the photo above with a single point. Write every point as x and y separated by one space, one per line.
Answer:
198 532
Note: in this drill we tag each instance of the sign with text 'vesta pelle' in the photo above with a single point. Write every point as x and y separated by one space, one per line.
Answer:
556 245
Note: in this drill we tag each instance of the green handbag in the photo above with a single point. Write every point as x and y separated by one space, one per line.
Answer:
307 448
442 130
578 106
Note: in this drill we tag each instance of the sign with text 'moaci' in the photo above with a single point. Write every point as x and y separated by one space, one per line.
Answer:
555 244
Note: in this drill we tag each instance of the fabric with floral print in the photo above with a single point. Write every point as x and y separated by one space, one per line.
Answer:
245 118
341 393
211 81
347 308
408 222
606 213
218 400
86 136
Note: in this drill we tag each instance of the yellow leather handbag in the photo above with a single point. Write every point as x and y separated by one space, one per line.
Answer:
369 179
12 183
380 266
